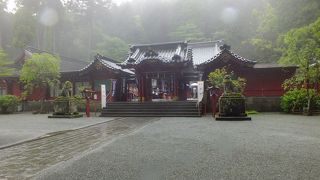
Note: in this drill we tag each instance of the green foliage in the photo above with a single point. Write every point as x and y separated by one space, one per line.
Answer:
40 70
8 103
113 47
301 46
294 82
83 23
4 63
295 100
216 78
277 18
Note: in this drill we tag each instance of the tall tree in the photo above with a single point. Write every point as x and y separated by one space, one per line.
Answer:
25 23
2 7
301 47
40 71
113 47
91 13
188 31
279 17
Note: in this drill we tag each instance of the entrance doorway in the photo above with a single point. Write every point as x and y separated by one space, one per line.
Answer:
192 90
161 86
162 89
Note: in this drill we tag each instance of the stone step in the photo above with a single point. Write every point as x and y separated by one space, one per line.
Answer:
151 109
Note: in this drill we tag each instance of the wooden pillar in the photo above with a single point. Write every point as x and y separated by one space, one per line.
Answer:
140 87
176 86
143 89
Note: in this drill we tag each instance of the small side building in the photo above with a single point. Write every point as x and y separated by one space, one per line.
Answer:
82 74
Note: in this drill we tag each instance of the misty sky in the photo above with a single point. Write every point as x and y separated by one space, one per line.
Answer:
11 4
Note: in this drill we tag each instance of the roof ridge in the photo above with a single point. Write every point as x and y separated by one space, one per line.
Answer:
205 42
232 54
159 44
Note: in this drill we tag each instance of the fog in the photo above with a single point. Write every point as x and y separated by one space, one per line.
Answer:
82 28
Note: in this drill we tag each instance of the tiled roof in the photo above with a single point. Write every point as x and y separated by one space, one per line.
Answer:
164 52
108 63
66 64
227 51
201 52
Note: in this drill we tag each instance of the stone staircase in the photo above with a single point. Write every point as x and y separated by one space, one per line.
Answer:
152 109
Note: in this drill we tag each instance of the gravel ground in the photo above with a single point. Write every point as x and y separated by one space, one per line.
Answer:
20 127
271 146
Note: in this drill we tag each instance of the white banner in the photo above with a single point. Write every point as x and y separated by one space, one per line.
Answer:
200 90
103 96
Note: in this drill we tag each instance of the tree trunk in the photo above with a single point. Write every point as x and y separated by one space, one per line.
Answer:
42 109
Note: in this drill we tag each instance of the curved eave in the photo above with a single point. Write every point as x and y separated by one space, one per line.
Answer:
250 63
117 70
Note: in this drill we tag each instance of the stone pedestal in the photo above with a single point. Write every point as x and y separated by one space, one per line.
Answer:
232 108
65 107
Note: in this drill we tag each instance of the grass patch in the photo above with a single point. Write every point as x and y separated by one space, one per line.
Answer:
252 112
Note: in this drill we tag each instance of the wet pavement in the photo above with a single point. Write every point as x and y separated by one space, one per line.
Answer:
25 160
20 127
271 146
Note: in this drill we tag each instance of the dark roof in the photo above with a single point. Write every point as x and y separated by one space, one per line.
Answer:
164 52
223 51
199 53
67 64
108 63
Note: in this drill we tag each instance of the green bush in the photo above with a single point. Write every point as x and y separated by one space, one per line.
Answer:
295 100
8 103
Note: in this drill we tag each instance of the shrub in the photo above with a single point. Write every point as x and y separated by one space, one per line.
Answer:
8 103
295 100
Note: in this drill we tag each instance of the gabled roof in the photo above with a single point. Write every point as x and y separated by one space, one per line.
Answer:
107 63
199 53
165 52
225 50
203 51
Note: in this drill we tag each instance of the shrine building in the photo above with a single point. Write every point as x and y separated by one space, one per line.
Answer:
169 71
162 72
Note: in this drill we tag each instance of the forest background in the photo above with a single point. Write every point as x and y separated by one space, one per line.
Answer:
255 29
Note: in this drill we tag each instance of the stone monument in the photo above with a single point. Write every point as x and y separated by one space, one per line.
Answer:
65 106
232 102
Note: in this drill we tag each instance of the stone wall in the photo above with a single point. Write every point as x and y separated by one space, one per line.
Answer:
263 104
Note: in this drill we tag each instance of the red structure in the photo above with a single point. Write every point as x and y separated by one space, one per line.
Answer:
163 72
90 75
168 70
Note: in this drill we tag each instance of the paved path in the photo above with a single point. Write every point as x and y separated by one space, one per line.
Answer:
20 127
25 160
271 146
